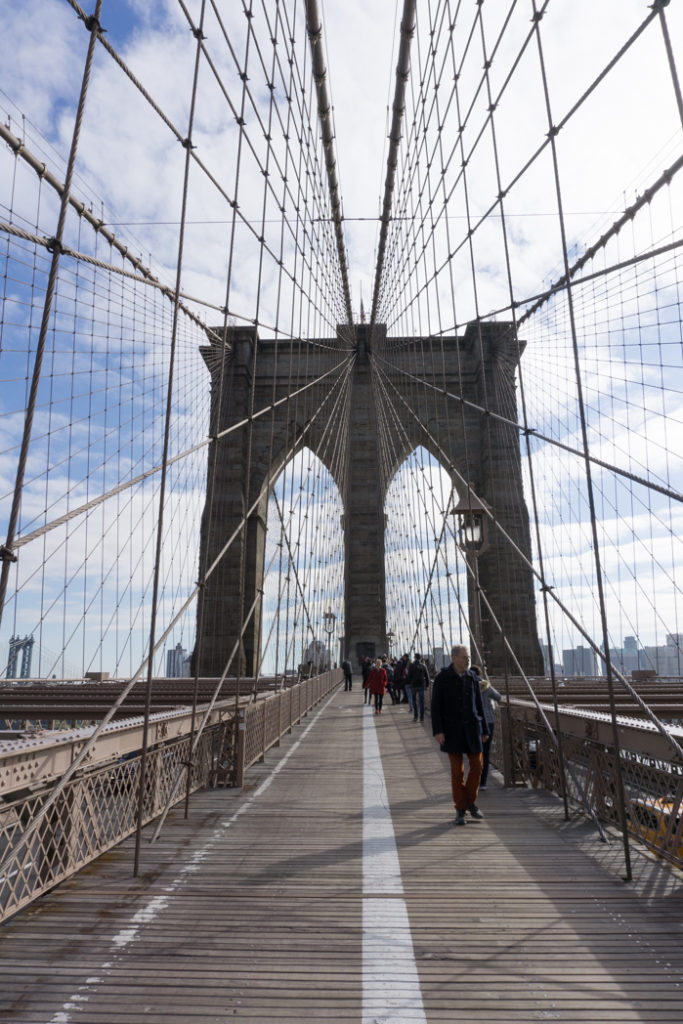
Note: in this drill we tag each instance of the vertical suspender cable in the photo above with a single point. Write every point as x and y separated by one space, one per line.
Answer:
552 132
6 555
164 462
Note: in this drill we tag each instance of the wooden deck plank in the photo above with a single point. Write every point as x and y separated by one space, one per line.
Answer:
258 917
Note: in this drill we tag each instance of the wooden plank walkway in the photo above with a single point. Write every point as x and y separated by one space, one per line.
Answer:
279 903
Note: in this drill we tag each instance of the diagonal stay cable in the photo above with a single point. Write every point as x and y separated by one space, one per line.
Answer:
531 431
94 502
6 555
249 615
88 745
656 721
402 72
314 29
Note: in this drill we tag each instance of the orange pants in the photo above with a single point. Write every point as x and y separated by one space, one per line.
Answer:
465 793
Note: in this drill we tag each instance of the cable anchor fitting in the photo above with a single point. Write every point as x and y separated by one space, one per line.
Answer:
7 555
93 24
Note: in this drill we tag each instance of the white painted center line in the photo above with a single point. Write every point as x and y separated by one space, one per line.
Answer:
391 986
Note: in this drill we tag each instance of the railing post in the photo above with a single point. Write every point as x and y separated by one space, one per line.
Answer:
279 719
241 738
263 732
508 748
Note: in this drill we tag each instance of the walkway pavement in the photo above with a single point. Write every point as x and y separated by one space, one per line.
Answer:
334 888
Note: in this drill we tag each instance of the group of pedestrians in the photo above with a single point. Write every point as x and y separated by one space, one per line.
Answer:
461 708
403 680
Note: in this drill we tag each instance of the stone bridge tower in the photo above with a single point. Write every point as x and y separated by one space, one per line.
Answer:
484 450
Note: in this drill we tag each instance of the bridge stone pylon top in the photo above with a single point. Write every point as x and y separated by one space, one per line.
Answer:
258 373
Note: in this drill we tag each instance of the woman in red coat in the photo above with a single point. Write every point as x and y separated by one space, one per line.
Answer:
377 684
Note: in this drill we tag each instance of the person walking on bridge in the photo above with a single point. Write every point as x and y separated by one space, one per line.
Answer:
418 679
365 667
488 695
377 684
458 725
347 669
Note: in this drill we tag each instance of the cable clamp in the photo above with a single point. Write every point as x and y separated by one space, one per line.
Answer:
93 24
187 143
54 245
198 34
6 554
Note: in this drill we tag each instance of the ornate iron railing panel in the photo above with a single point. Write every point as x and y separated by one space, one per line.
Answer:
263 724
97 809
653 775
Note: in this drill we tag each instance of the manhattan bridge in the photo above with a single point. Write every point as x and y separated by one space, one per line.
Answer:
252 427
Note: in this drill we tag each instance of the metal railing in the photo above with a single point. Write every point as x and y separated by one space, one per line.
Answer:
653 776
97 809
262 724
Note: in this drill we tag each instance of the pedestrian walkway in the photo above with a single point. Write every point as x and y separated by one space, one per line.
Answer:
334 888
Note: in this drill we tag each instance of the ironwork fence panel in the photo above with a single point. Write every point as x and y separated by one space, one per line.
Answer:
97 809
653 777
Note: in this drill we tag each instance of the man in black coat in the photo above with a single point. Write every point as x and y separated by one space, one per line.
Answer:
347 669
458 725
418 679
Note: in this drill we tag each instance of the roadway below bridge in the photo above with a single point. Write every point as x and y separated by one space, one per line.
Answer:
334 888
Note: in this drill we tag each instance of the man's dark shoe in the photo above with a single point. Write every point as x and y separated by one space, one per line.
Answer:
475 812
460 818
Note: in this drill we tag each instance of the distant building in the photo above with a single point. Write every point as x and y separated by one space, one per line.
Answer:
579 661
630 658
545 651
317 655
665 660
177 663
440 658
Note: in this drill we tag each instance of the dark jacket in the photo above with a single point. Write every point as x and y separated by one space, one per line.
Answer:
417 675
399 681
458 711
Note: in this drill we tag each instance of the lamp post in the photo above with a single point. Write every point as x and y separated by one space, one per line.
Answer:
329 620
391 636
473 541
